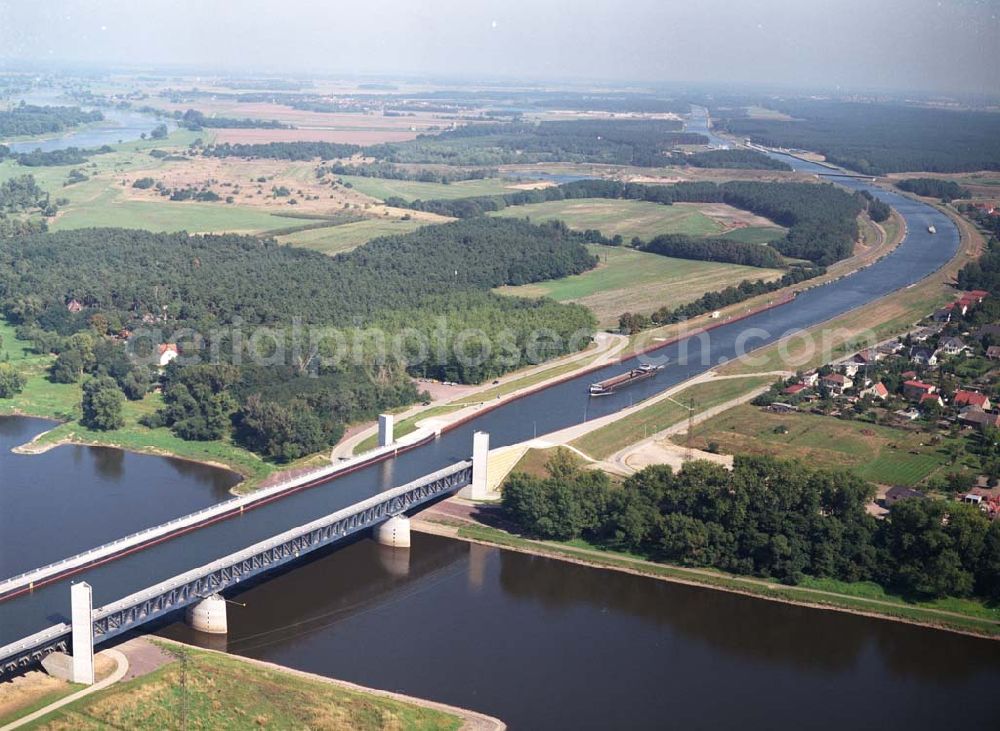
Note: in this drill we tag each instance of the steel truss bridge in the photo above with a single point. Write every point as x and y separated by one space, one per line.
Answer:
193 586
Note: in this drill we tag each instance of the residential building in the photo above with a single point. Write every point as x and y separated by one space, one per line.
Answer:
899 492
952 346
836 383
915 390
167 352
972 398
878 390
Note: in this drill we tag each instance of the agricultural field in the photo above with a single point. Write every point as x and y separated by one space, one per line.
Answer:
338 239
410 190
627 280
881 454
646 220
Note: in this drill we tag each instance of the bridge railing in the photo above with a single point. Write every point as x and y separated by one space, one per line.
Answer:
26 578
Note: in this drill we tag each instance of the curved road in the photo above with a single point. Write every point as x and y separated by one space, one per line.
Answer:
565 404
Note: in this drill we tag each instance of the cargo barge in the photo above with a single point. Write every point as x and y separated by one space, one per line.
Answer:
610 385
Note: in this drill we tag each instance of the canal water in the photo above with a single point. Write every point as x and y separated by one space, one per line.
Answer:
72 498
545 644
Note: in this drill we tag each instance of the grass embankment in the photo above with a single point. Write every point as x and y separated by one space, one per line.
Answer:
210 690
606 440
959 615
61 401
627 280
876 453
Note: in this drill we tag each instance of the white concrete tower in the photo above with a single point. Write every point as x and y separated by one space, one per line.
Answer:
385 428
479 489
82 614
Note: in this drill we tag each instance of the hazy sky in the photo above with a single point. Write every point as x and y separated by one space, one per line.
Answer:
948 45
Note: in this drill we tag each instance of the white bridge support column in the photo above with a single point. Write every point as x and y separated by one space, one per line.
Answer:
385 428
208 615
394 532
82 614
479 488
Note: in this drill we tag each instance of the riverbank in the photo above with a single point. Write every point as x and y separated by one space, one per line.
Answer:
451 525
170 684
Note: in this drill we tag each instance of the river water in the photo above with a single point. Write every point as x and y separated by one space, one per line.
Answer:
545 644
119 125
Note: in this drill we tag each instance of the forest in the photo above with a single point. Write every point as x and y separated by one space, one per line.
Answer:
776 519
733 159
946 190
644 143
283 150
388 171
876 139
195 120
714 249
427 287
21 194
28 119
45 158
821 218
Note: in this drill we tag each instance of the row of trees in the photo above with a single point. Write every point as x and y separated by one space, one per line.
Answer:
768 518
737 159
47 158
283 150
714 249
388 171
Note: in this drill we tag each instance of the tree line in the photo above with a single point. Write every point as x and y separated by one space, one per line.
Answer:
388 171
283 150
770 518
946 190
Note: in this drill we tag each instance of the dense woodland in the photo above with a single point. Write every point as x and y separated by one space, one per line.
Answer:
645 143
733 159
821 218
195 120
768 518
388 171
28 119
427 287
946 190
714 249
46 158
283 150
875 139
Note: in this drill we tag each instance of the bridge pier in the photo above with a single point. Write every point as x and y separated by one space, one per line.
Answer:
82 613
385 429
208 615
478 489
394 532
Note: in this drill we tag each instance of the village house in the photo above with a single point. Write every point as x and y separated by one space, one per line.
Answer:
931 398
993 352
167 352
924 333
836 383
795 389
976 417
74 306
878 390
899 492
972 398
952 346
923 356
810 379
891 348
915 390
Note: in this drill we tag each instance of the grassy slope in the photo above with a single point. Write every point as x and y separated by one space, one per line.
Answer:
337 239
619 434
224 692
827 442
630 280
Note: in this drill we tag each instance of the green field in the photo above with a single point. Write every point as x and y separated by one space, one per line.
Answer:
213 690
755 234
627 280
624 217
411 190
607 440
880 454
337 239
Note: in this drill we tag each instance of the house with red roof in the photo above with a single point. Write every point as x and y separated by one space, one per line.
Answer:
915 390
972 398
931 398
878 390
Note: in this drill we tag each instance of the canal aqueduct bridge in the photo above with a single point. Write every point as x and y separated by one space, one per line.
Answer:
198 589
